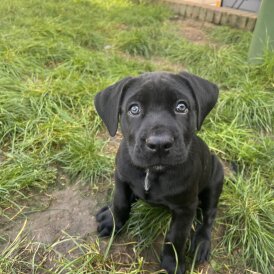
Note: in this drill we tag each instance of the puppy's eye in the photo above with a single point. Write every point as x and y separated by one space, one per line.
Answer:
181 107
134 109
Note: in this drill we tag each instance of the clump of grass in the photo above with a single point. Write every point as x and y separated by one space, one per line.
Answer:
146 223
229 36
235 143
263 74
82 158
13 256
251 107
92 258
141 15
22 171
248 220
23 256
139 41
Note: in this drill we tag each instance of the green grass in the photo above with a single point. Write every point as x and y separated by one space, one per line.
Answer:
255 104
250 214
138 227
55 56
13 257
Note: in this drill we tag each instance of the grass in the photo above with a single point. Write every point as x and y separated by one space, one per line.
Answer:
55 56
137 227
251 214
256 107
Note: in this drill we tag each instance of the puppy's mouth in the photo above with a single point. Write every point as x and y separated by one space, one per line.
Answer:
158 168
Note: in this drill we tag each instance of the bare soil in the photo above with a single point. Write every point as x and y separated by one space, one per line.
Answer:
69 210
195 31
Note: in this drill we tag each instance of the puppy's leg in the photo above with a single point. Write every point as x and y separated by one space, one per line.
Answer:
209 198
176 238
118 213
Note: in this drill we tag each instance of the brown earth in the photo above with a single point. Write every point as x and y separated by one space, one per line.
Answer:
70 210
195 31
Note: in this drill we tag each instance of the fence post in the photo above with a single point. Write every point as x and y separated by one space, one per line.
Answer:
263 35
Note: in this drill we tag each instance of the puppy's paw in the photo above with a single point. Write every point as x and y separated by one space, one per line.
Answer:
203 252
169 264
105 221
202 245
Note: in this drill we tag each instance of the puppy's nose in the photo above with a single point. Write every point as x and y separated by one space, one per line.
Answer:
159 143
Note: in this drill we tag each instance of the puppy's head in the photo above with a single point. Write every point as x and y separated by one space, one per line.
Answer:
159 113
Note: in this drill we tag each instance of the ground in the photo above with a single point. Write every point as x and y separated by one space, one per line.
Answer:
69 208
57 160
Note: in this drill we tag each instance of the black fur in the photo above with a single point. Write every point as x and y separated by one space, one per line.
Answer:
160 146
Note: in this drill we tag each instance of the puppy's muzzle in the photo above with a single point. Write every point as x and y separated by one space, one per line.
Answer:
159 144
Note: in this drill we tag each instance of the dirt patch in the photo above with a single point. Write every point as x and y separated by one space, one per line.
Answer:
65 224
195 31
70 210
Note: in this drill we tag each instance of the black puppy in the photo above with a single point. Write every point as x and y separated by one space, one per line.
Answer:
160 159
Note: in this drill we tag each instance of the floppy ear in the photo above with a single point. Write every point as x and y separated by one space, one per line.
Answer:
205 95
107 103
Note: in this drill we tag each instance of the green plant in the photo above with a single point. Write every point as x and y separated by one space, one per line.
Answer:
248 220
146 223
250 106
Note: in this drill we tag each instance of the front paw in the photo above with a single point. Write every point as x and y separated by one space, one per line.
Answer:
169 264
201 245
105 220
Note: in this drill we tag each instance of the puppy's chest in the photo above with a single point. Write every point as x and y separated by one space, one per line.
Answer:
155 188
